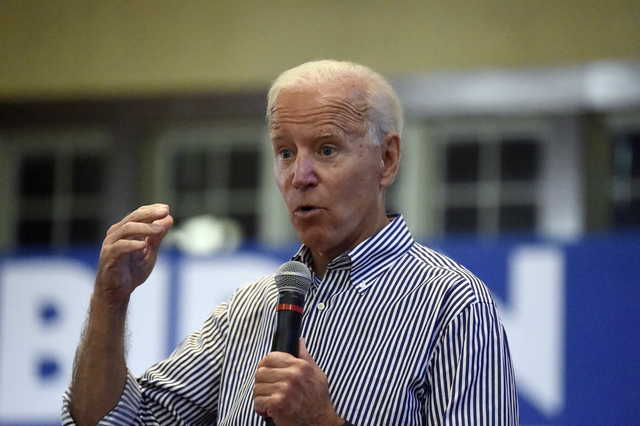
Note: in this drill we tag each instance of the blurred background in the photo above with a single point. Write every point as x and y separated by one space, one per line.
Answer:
521 159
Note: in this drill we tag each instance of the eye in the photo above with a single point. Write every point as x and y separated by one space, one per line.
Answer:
285 153
327 150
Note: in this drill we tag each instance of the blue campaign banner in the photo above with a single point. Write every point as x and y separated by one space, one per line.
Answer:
599 325
570 310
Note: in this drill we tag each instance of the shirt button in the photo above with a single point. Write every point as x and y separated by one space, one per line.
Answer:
321 306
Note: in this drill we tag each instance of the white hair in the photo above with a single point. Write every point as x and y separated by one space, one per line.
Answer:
384 113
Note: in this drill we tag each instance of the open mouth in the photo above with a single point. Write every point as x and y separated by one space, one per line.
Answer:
306 209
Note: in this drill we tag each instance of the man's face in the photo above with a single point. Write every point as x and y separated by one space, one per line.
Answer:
329 173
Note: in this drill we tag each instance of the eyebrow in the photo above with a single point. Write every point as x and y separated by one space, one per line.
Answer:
326 135
275 136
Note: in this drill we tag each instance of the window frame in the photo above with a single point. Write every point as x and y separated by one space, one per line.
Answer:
621 190
558 206
171 140
63 144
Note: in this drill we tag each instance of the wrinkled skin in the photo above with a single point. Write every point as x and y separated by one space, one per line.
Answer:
129 252
331 176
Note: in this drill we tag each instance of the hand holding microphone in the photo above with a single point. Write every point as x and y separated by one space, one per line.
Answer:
291 390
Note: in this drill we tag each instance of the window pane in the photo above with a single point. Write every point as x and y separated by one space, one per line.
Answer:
461 220
626 155
462 161
190 171
626 214
244 169
37 175
190 204
85 231
517 218
34 232
87 174
519 159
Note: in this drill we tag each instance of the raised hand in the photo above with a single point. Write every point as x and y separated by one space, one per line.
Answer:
129 252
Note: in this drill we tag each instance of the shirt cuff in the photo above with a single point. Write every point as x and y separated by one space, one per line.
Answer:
125 412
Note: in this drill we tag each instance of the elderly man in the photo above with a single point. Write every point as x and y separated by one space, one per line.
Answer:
393 332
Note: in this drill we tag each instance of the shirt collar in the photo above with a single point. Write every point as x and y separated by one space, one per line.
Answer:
372 256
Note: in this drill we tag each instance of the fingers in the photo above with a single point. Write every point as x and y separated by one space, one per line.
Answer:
277 366
146 226
277 360
147 213
166 223
270 398
268 406
151 221
133 230
266 375
303 352
292 390
268 389
122 247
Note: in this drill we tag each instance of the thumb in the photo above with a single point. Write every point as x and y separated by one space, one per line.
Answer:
303 352
166 223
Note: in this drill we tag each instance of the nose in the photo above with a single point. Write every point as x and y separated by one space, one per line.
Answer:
304 173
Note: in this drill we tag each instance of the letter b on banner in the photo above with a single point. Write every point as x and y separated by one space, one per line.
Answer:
43 306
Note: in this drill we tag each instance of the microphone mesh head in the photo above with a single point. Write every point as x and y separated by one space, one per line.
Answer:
293 276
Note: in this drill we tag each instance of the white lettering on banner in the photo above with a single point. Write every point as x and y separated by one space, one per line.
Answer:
43 309
207 282
148 320
535 325
44 303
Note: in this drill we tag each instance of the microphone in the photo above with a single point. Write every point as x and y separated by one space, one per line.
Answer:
293 280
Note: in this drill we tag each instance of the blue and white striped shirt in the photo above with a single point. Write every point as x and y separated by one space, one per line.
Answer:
405 335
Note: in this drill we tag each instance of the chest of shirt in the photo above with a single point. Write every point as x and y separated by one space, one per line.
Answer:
372 341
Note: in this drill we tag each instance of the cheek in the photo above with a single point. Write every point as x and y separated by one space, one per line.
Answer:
279 176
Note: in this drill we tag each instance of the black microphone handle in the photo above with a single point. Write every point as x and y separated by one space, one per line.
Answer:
287 332
289 323
288 327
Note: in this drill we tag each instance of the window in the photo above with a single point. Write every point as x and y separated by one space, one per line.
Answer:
625 167
489 181
60 186
214 171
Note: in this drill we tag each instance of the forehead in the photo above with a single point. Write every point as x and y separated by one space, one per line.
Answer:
339 106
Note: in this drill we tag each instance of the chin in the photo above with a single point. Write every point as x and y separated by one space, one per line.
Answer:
315 239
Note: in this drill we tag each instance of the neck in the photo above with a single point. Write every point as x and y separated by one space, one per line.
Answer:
322 259
320 262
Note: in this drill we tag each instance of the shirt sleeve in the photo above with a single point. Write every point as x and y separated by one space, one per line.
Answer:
471 376
183 389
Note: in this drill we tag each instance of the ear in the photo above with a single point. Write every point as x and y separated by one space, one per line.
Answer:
390 156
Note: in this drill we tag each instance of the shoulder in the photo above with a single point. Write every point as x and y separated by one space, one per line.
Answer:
256 289
443 275
253 297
